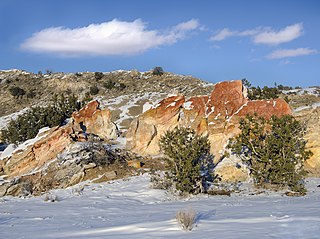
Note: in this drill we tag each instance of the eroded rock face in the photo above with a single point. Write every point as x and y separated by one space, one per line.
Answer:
312 118
93 120
90 120
216 115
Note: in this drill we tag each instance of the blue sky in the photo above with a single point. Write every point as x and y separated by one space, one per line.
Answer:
263 41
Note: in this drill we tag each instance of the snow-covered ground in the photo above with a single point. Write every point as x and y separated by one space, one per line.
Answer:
130 209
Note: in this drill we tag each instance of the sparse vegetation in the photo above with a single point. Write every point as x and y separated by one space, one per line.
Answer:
274 151
17 91
109 85
27 125
186 218
94 90
48 197
189 159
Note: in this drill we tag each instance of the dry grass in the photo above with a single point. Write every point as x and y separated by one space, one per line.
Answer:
50 198
186 218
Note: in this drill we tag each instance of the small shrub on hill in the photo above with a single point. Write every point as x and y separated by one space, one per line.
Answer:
274 151
17 91
94 90
109 85
98 75
157 71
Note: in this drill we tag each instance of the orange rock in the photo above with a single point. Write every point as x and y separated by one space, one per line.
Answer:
91 119
216 115
134 164
43 151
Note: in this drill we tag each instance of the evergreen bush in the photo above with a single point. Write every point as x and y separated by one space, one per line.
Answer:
274 151
98 75
94 90
189 158
109 85
257 93
17 91
27 125
157 71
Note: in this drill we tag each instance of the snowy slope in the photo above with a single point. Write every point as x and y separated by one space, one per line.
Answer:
130 209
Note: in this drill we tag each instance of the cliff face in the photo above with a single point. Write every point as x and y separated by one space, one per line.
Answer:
216 115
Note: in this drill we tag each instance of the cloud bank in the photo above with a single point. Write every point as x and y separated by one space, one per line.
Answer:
286 53
263 35
109 38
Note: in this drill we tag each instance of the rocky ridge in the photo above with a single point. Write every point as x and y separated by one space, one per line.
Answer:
67 155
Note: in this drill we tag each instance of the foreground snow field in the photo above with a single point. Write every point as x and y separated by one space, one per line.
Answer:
130 209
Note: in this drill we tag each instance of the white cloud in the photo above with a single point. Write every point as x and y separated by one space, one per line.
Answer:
286 53
109 38
263 35
286 34
223 34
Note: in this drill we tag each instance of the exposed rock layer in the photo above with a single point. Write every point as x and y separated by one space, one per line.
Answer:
216 115
93 120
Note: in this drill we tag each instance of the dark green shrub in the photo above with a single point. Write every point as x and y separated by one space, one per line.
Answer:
94 90
157 71
17 91
189 158
31 94
27 125
256 93
98 75
109 85
49 72
274 151
122 86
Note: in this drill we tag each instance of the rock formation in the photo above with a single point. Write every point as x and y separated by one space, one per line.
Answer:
216 115
89 120
93 120
312 119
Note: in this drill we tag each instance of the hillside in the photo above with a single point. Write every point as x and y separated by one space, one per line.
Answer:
39 88
129 114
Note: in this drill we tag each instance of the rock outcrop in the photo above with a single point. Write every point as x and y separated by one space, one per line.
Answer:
89 120
216 115
312 119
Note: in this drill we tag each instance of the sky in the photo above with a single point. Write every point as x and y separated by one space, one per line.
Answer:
266 42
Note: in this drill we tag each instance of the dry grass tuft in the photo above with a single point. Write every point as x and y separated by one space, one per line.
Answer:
186 218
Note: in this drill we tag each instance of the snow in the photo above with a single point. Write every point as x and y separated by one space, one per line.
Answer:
309 91
125 102
147 106
313 106
4 120
188 105
130 209
171 104
211 111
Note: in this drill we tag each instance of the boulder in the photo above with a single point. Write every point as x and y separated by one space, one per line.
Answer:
91 119
231 170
